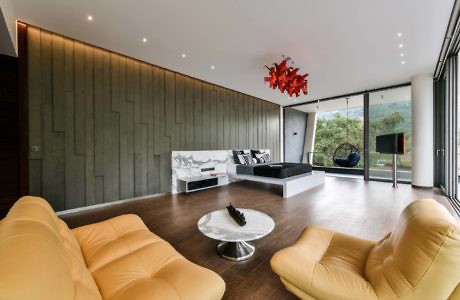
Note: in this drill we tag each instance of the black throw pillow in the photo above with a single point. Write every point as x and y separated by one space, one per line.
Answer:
235 156
254 152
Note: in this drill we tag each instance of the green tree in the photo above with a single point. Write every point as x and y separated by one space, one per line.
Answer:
387 124
330 133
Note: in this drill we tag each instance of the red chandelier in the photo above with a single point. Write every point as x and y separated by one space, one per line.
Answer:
286 79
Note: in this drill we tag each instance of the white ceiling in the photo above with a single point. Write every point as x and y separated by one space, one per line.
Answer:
345 46
381 97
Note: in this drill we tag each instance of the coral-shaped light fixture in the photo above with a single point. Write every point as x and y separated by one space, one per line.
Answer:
286 79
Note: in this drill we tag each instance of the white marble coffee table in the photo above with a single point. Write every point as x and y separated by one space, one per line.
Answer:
219 225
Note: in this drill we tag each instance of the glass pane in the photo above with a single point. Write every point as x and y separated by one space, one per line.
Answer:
339 130
390 112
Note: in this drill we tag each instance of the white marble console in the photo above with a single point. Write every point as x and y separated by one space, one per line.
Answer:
193 184
193 164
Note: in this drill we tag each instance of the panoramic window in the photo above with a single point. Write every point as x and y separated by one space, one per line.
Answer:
339 132
390 112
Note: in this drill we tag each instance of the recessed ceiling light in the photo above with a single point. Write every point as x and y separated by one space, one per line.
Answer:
399 34
403 62
183 55
89 17
402 54
401 45
212 67
144 40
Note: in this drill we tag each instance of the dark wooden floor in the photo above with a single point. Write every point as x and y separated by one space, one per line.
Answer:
356 207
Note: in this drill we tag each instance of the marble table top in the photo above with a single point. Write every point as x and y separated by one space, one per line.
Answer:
219 225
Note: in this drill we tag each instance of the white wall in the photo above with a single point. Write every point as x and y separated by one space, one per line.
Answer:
310 137
281 134
8 40
422 131
295 125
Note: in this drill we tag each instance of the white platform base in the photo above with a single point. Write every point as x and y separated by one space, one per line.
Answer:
292 185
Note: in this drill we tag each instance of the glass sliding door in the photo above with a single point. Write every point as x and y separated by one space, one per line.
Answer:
440 129
339 121
390 112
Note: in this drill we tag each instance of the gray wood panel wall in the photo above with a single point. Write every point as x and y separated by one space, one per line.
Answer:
102 126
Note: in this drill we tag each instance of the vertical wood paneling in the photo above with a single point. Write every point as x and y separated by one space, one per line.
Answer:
115 82
126 133
90 184
150 133
233 120
180 110
35 94
170 104
53 162
74 179
80 99
98 115
206 120
53 178
58 84
105 124
197 114
213 117
221 133
140 134
188 99
35 173
110 130
242 122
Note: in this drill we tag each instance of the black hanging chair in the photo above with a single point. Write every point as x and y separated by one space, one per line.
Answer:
346 155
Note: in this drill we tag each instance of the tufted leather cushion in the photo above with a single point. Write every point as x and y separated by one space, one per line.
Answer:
321 261
420 259
40 257
130 262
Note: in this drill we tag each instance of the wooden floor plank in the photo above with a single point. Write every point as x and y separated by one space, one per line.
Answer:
363 209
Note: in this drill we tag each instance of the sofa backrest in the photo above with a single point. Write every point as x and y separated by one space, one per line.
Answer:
40 257
420 259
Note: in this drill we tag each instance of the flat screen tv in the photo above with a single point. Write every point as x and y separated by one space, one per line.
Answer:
394 143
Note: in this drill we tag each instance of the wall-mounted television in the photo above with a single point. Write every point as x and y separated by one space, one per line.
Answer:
394 143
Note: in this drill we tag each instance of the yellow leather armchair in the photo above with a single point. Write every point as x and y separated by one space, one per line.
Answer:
419 259
42 259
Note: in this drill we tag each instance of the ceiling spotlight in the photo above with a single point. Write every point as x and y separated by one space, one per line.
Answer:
184 56
403 62
399 34
89 17
144 40
212 67
401 45
402 54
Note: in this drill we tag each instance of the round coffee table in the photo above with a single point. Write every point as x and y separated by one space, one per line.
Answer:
219 225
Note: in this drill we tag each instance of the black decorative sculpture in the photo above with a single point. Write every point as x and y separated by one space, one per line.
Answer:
236 215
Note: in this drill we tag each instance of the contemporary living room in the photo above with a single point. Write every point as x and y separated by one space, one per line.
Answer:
229 150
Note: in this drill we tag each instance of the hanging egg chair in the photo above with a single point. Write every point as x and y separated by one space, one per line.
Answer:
346 155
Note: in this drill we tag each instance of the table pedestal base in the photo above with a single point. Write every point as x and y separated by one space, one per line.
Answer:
236 251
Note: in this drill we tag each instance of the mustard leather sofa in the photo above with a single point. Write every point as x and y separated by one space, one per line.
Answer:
42 259
419 260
